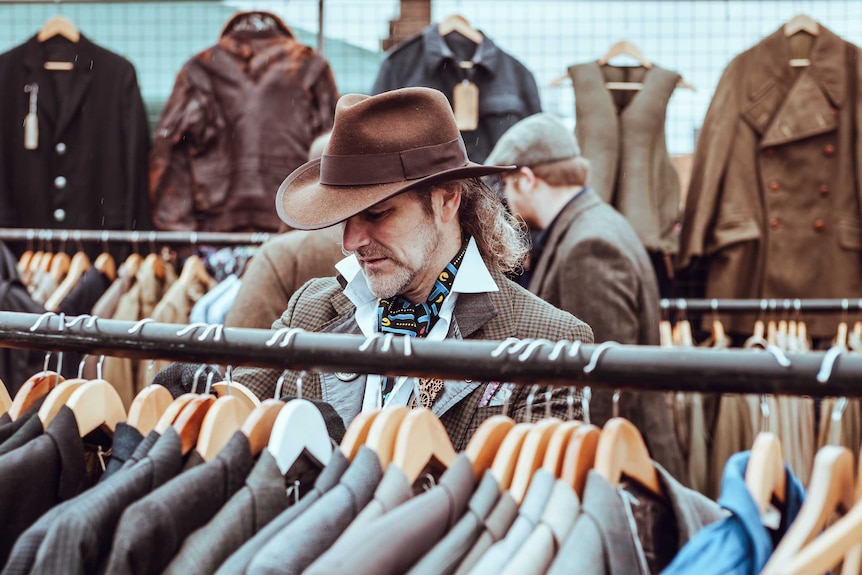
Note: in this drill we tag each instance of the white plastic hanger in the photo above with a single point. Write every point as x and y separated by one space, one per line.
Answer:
299 427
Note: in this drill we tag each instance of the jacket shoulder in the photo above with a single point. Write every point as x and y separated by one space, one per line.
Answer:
311 306
536 318
408 45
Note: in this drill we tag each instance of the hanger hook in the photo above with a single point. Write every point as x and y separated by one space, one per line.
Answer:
150 365
42 318
228 378
198 372
828 363
47 360
548 396
140 324
299 379
209 387
81 365
615 405
570 403
190 328
387 342
287 332
533 346
837 414
507 398
504 345
530 399
408 346
99 366
369 340
597 355
780 358
279 385
217 330
60 354
585 403
764 413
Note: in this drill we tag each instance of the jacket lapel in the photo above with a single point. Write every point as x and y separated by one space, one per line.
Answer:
786 104
82 75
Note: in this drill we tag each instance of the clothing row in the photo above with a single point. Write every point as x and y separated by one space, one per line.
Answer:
141 287
387 495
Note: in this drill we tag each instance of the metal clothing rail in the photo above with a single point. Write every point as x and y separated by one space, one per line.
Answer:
608 365
133 237
761 305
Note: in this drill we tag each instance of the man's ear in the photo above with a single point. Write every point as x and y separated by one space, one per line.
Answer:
526 180
450 200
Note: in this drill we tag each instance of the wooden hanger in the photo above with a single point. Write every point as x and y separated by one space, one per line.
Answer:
45 262
831 489
764 474
299 427
258 425
555 453
421 440
238 390
5 398
133 263
79 266
173 411
60 264
105 263
194 270
532 456
157 264
357 433
59 25
57 398
148 407
801 23
96 404
35 388
486 441
384 432
506 459
580 456
841 335
225 417
457 23
189 420
621 451
24 261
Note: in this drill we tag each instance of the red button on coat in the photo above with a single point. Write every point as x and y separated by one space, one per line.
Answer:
774 186
828 150
769 152
824 189
819 224
774 223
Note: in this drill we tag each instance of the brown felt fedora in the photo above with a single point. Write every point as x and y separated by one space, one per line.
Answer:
380 146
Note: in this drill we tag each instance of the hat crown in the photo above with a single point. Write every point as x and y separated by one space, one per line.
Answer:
396 121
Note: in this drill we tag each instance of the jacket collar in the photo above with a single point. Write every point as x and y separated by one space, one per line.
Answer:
585 201
56 110
785 104
437 51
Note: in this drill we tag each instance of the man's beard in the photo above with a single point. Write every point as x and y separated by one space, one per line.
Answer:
389 284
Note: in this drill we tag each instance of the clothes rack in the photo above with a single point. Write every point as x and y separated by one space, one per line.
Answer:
133 237
608 365
836 305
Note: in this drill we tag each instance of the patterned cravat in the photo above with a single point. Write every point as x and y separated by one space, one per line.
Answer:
399 316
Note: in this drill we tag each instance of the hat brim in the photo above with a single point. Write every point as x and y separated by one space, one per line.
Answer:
304 203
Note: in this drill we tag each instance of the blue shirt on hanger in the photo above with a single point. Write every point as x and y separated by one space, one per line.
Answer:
741 543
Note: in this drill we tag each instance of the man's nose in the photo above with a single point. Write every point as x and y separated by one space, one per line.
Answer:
353 235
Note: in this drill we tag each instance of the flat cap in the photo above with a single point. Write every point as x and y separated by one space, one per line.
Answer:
537 139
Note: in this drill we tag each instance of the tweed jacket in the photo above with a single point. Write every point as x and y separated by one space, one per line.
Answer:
241 117
259 501
53 464
296 546
399 538
279 267
444 557
89 169
773 208
79 540
239 561
321 306
151 530
630 167
594 266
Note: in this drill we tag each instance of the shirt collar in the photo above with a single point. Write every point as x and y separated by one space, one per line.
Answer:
472 277
436 51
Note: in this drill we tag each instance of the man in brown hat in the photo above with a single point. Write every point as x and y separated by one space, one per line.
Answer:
428 248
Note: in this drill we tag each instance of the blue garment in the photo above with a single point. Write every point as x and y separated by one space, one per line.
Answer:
739 544
201 310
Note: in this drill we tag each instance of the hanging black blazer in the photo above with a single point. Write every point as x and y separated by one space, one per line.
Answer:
89 170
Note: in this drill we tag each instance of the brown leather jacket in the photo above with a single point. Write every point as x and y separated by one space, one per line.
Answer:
241 117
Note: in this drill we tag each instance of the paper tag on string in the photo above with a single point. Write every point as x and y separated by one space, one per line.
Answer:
465 104
31 121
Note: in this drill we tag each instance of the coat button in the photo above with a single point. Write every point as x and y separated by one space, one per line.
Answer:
828 150
774 223
824 189
59 182
769 152
774 185
60 148
59 214
819 224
